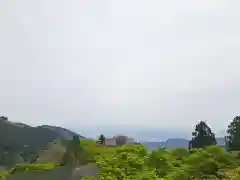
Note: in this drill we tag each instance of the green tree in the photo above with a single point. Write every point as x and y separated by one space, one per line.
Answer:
233 134
134 162
159 160
202 136
179 153
101 139
127 162
200 162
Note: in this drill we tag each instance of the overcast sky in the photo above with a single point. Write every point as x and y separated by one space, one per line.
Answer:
154 63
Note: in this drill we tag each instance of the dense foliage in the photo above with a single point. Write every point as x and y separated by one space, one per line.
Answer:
233 137
133 162
23 143
19 168
17 138
202 160
85 151
202 136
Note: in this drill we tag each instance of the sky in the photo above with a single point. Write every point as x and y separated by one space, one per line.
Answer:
106 65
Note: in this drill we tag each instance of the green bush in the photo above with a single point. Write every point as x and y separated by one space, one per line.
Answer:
127 162
179 174
180 153
136 149
223 157
4 174
134 162
200 162
161 161
18 168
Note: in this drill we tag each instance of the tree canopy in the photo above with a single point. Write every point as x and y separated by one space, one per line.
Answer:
233 137
101 139
202 136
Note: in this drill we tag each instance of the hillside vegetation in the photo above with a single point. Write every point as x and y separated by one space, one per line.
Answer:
53 153
63 132
20 138
23 143
133 162
202 160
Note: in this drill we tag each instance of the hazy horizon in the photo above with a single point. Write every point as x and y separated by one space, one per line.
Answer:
164 64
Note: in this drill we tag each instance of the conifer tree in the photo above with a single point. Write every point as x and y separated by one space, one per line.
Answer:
202 136
233 134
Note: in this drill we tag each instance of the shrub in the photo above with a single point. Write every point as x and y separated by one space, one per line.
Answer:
179 153
133 162
179 174
30 167
221 156
4 174
161 160
200 162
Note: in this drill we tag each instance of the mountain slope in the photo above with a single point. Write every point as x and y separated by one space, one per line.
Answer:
175 142
21 137
63 132
151 145
53 153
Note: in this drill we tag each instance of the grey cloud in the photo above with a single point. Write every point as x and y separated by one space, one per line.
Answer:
127 63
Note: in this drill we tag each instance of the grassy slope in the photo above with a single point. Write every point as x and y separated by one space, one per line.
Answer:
53 153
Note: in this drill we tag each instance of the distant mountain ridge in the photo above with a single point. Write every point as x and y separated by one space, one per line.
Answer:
176 142
151 145
21 137
63 132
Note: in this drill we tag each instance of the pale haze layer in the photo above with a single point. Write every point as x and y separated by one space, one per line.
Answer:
95 66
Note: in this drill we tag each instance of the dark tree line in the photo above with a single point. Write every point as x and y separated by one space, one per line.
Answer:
203 135
233 134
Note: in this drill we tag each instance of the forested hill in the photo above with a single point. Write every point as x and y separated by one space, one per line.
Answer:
22 137
65 133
